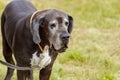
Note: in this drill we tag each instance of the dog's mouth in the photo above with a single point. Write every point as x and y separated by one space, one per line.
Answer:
62 49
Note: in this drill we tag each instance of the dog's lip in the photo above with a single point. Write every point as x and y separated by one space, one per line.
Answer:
53 47
65 46
62 49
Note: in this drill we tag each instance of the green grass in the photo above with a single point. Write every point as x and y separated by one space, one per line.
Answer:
94 49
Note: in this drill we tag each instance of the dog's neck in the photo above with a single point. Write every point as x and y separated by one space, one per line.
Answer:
44 39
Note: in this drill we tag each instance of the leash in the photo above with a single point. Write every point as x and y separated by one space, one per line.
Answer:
31 18
17 67
12 66
40 48
23 68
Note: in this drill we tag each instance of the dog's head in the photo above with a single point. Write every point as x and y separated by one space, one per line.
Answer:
53 26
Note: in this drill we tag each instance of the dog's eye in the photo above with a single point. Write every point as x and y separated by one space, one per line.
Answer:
53 25
66 23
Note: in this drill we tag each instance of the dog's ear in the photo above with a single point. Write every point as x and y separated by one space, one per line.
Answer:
70 27
34 28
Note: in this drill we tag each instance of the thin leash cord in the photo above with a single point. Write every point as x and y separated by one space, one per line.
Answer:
14 66
23 68
17 67
40 48
31 18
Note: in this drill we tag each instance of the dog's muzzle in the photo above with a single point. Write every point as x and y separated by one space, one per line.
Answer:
65 39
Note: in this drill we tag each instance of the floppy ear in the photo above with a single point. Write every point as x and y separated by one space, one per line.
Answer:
70 27
34 28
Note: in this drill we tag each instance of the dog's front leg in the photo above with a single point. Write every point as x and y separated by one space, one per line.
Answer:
45 72
24 75
21 75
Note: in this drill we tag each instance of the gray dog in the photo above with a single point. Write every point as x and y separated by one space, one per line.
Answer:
24 28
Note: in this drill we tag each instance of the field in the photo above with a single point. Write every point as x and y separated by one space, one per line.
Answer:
94 48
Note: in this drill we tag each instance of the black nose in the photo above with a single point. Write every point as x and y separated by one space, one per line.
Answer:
65 36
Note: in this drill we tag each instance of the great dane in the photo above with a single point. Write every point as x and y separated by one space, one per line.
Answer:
23 27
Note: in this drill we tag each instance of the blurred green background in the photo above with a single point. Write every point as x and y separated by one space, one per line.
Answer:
94 49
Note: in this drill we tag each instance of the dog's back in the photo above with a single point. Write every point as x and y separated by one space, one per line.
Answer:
13 13
18 8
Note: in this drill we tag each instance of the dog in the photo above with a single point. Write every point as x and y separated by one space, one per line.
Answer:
23 28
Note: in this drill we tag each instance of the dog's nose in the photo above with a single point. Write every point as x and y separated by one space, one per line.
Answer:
65 36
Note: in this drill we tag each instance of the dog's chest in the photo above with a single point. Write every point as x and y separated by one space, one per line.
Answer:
40 61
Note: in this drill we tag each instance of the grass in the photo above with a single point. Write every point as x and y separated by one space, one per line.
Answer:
94 49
